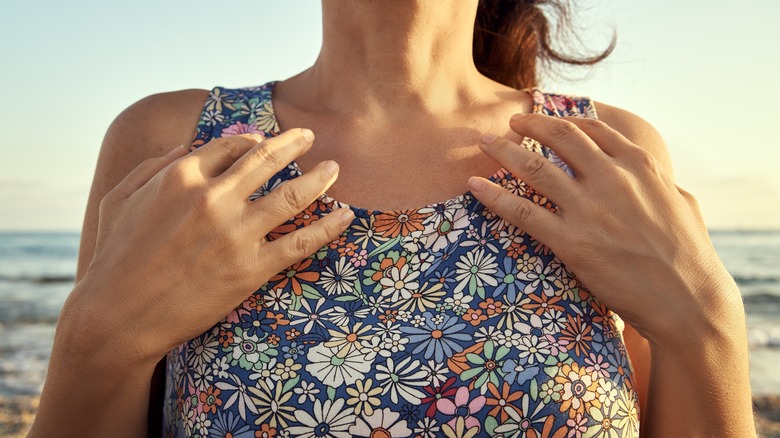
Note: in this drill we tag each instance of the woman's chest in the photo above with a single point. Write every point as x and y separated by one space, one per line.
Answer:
414 322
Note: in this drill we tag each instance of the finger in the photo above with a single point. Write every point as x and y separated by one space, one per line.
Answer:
294 195
532 218
533 168
146 170
612 142
220 153
299 244
264 160
574 147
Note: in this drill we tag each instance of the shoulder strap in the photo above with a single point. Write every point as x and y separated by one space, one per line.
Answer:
563 105
233 111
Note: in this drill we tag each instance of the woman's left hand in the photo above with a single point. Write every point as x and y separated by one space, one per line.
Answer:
622 225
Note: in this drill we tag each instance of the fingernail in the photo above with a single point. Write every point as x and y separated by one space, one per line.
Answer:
476 184
487 138
332 167
307 134
345 216
517 116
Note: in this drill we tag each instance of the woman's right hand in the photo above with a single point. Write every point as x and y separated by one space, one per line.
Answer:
179 245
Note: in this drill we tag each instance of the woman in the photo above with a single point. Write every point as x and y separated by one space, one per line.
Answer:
463 317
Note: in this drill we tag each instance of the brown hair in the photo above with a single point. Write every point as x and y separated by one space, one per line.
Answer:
513 38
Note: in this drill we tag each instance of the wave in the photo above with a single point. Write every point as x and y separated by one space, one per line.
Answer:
761 299
39 279
751 280
768 337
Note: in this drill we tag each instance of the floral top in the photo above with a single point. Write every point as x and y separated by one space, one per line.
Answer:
444 320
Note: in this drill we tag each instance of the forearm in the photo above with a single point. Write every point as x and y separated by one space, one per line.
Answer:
699 384
91 389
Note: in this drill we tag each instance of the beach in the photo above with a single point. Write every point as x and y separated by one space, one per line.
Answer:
37 271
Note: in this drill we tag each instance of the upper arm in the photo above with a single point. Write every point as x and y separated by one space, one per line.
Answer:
148 128
641 133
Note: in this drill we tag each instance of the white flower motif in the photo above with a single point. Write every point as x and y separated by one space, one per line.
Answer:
400 283
371 347
328 368
306 391
541 276
436 373
386 421
200 377
534 348
277 299
475 270
393 344
202 350
240 396
402 379
220 367
444 227
458 302
340 278
308 316
328 420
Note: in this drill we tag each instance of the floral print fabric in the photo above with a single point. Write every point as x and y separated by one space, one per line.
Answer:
444 320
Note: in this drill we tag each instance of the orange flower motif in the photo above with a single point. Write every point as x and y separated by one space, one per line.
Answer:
292 334
389 315
338 243
579 389
225 338
279 317
273 339
542 303
347 250
502 401
294 275
578 334
475 317
491 306
516 249
265 431
385 265
307 216
402 222
210 399
255 302
458 362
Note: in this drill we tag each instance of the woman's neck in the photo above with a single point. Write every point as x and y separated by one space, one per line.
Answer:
378 56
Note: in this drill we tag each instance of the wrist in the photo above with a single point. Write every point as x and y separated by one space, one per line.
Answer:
91 331
708 309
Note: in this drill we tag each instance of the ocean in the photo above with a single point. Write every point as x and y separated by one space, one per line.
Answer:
37 271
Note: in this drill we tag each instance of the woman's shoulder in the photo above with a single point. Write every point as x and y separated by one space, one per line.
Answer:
156 123
638 131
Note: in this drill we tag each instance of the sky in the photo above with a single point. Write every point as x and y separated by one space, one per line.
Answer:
705 74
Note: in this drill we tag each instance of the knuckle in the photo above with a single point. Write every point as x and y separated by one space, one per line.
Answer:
301 245
563 130
264 154
646 160
689 198
535 166
520 211
293 196
593 124
300 141
204 202
176 173
231 145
